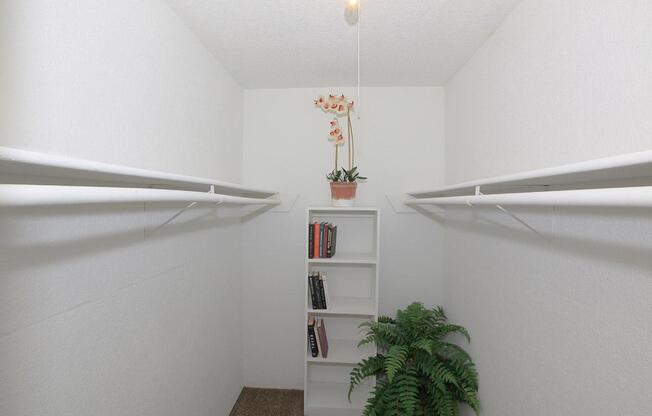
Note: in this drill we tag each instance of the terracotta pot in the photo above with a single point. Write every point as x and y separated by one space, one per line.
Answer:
343 193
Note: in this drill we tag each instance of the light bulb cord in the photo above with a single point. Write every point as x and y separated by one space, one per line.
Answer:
358 53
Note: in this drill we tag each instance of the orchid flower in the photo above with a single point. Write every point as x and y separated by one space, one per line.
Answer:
338 105
335 134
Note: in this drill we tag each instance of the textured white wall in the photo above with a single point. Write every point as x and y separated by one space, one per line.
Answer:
559 326
399 146
96 316
120 82
559 82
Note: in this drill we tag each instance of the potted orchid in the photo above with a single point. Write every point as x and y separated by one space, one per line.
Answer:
343 181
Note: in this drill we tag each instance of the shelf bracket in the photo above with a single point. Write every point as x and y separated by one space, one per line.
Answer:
176 215
478 192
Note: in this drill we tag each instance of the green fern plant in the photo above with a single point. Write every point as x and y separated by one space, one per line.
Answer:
418 372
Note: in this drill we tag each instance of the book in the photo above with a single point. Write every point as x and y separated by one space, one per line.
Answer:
328 238
317 337
322 339
333 249
311 245
322 294
313 291
329 241
324 280
315 286
321 239
316 240
312 338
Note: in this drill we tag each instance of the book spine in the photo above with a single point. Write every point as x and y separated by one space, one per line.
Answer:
321 240
317 336
322 295
327 299
325 240
329 245
334 250
323 339
315 237
311 236
312 339
313 292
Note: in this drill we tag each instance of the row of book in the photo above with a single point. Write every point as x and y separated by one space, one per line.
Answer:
318 288
317 340
322 239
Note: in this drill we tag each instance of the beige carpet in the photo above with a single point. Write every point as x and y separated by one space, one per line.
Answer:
268 402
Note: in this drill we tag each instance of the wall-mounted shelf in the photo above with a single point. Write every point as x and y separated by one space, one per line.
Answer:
353 299
619 181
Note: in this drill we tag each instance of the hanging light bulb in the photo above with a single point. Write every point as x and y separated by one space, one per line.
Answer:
351 11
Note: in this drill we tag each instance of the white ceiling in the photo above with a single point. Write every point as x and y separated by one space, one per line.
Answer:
308 43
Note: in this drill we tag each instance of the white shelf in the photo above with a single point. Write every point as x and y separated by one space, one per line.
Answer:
342 351
611 172
343 209
349 306
346 259
353 288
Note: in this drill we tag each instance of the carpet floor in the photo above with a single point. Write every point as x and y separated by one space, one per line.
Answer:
268 402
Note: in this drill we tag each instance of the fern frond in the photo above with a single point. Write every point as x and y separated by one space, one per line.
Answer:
419 373
443 330
394 360
366 368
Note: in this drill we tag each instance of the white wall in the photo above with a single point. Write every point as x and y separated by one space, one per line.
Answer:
399 146
121 82
97 315
560 326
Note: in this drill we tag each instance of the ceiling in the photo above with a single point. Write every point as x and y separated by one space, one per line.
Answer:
308 43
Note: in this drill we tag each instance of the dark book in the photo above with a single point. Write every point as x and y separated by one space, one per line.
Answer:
321 336
329 241
321 299
311 244
322 294
313 291
312 338
325 248
321 239
333 249
318 300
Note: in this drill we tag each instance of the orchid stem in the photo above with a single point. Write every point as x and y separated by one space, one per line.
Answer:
351 143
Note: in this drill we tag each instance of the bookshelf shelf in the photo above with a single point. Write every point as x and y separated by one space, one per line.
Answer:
352 299
347 259
332 395
348 305
343 351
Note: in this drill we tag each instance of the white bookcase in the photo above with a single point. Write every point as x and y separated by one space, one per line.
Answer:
353 292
